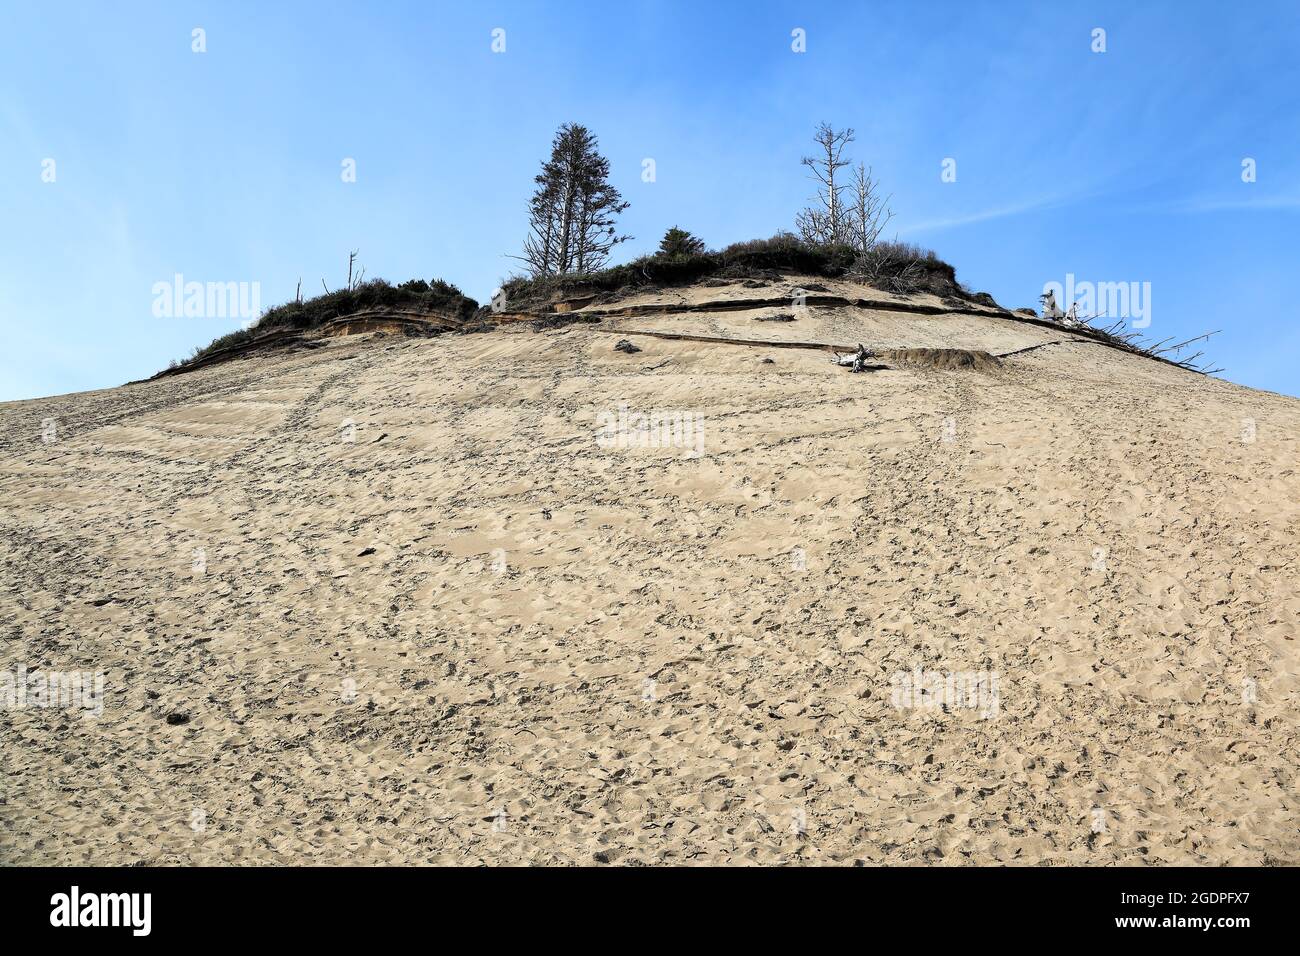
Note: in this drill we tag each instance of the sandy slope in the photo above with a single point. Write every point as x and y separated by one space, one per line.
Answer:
475 634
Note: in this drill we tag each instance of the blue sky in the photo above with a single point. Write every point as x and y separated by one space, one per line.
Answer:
1122 166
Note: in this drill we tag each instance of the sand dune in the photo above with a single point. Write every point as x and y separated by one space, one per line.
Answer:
416 601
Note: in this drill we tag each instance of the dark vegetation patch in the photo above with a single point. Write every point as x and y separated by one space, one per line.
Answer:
417 295
906 269
894 267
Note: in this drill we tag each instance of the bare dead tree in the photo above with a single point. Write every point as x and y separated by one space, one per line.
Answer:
825 222
297 295
352 257
868 212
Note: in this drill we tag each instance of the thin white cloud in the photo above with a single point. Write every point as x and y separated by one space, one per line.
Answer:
1001 212
1197 204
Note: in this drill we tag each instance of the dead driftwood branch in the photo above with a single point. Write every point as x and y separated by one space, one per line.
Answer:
1174 348
855 361
1134 342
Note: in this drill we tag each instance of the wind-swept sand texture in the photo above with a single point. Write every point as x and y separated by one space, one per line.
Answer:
475 633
